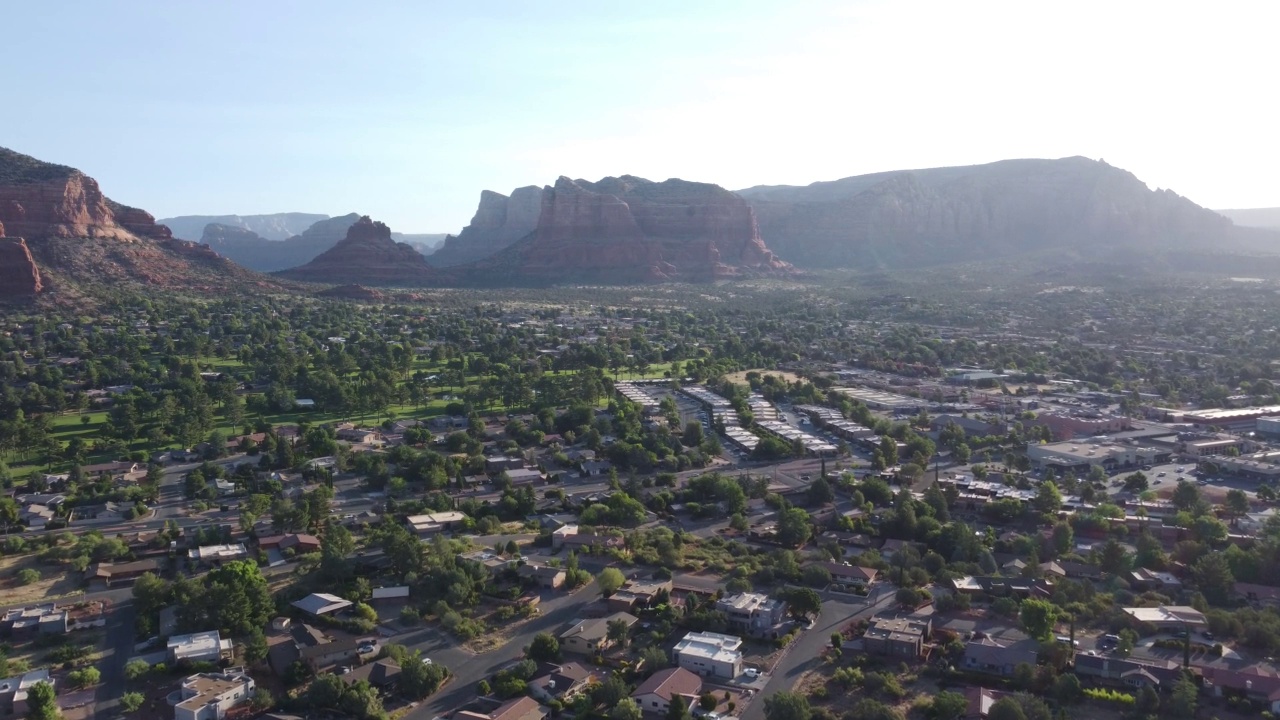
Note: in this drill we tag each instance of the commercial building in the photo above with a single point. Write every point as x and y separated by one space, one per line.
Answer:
1079 457
198 647
1230 418
897 637
1067 426
811 443
710 654
208 696
753 613
1259 466
884 401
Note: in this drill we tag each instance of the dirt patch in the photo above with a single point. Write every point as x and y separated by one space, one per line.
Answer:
741 376
55 581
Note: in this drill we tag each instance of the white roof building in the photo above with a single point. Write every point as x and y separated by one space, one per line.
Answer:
321 604
199 646
1168 615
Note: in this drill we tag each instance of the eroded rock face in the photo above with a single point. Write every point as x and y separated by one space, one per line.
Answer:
368 256
351 292
923 217
632 230
499 222
19 276
75 233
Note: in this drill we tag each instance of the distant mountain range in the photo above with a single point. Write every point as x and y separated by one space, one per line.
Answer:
246 247
58 232
911 218
1255 217
276 226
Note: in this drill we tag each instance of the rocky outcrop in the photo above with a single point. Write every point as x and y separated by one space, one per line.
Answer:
247 248
273 226
923 217
499 222
19 276
78 236
632 230
366 255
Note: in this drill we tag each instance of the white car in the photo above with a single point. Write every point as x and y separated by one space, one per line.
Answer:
751 673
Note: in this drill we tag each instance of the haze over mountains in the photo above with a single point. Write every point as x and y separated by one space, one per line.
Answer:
276 226
1255 217
63 232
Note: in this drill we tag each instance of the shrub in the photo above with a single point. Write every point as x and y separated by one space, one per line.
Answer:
1113 696
28 576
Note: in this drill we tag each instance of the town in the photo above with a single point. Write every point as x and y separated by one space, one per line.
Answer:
777 506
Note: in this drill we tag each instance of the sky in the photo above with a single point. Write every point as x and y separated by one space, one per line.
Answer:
405 111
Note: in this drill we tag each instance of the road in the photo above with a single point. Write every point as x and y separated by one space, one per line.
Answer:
806 653
468 668
120 643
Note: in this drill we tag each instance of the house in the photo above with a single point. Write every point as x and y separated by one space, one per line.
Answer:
218 554
990 657
1258 594
596 468
52 619
850 574
300 543
208 696
321 604
396 595
502 463
1167 616
14 690
710 654
330 652
559 535
198 647
753 613
524 476
489 560
979 702
431 523
655 694
544 575
523 708
1256 683
587 637
114 575
584 541
99 512
560 682
36 515
1144 579
637 594
1133 673
357 436
382 674
897 637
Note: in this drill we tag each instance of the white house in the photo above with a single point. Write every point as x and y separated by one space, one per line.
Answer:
198 647
710 654
208 696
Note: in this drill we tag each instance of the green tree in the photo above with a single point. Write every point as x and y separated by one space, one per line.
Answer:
419 679
793 527
617 631
544 648
819 493
1212 575
28 576
1048 499
1182 701
135 669
948 706
677 710
787 705
1237 504
693 435
42 702
234 599
708 702
609 580
132 701
255 646
803 603
626 709
1038 618
84 677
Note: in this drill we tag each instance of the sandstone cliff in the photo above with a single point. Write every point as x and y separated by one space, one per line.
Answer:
79 237
632 230
498 223
366 255
919 217
19 276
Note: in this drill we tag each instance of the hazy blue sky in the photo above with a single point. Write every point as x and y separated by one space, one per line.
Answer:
407 110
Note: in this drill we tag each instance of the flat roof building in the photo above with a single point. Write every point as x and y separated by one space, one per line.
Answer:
198 647
710 654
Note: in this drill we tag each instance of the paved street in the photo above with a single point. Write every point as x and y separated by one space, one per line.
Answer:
806 653
468 668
